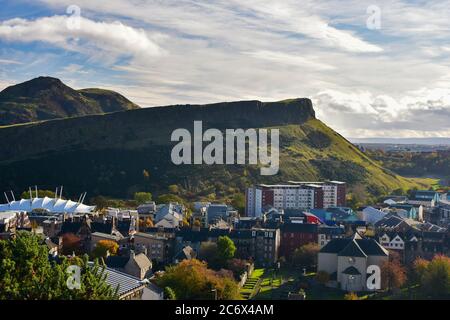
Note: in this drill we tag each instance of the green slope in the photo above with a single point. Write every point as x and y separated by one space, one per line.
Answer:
107 154
47 98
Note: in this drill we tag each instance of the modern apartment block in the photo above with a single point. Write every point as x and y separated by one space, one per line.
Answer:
295 195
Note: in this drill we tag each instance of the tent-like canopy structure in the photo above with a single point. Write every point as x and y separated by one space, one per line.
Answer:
51 205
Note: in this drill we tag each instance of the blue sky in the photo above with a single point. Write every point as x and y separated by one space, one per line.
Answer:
392 81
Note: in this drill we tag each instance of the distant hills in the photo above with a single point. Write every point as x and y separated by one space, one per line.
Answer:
413 141
46 98
117 154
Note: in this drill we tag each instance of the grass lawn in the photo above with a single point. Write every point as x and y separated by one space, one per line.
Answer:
277 285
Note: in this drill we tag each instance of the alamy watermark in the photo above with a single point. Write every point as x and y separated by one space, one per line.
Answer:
229 149
373 22
74 280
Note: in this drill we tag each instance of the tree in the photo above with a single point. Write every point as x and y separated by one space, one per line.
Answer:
208 252
237 266
306 255
103 247
174 189
26 273
142 197
419 268
436 277
41 194
185 222
166 198
225 249
322 277
169 294
100 202
71 244
351 296
191 279
393 275
238 202
146 174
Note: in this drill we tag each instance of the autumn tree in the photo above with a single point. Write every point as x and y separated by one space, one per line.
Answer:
191 279
306 255
103 247
393 274
435 279
71 243
351 296
418 270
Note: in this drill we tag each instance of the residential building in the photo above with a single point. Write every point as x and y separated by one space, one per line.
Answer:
260 245
136 265
296 234
327 233
294 195
159 249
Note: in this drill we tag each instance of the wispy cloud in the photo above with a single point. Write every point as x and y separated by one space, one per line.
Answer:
363 82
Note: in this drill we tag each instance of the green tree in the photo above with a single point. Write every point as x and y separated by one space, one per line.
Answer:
169 294
41 194
142 197
238 202
225 249
26 273
166 198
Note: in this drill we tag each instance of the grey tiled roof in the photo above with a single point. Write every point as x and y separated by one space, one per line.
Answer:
126 283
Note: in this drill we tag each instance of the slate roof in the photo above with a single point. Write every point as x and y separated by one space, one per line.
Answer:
299 227
124 282
116 262
352 249
70 227
124 227
369 247
101 227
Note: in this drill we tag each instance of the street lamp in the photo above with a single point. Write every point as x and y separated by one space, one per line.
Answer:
215 293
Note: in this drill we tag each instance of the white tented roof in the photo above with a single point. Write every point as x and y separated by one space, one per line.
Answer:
52 205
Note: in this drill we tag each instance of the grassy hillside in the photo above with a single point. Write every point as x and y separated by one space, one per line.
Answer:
120 153
47 98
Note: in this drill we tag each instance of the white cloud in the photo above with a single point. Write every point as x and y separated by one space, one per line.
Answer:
7 61
112 39
364 82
